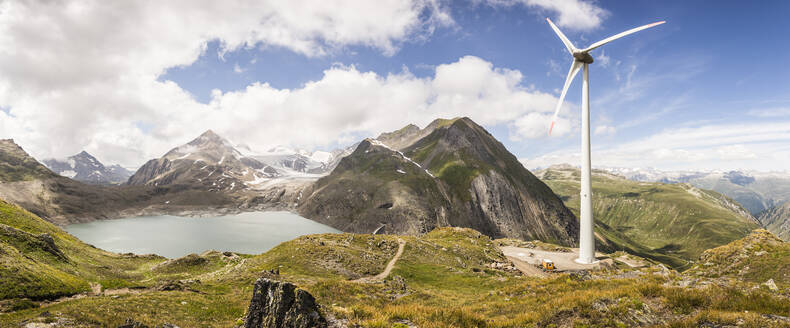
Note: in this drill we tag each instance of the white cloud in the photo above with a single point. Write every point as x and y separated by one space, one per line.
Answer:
758 146
237 69
343 103
605 130
537 124
735 152
83 74
603 59
571 14
770 112
346 101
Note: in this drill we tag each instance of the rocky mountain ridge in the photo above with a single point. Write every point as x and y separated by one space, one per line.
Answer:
777 220
452 173
84 167
61 200
209 161
16 165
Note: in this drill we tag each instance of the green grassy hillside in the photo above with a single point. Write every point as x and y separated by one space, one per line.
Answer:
41 261
444 278
15 165
756 258
671 223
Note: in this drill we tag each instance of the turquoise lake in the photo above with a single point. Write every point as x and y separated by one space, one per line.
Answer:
174 236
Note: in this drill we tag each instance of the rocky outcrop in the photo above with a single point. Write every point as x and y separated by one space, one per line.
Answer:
22 239
278 304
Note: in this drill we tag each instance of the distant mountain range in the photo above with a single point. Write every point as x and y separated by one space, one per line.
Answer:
757 191
61 200
86 168
218 165
764 194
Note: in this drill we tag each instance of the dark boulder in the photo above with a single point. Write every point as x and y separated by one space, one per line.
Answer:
278 304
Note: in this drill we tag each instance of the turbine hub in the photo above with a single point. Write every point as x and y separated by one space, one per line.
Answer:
583 57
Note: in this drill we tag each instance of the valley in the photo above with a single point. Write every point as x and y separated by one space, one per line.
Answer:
425 218
448 277
763 194
670 223
409 181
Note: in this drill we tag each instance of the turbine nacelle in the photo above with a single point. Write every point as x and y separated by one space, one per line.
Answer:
583 56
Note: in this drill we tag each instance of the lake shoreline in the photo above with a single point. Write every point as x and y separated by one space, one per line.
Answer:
174 236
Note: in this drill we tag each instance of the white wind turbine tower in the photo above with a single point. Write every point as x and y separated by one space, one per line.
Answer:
582 57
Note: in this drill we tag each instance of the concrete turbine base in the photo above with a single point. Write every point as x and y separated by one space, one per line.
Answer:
581 261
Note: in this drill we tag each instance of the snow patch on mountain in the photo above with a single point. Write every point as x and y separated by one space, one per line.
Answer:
86 168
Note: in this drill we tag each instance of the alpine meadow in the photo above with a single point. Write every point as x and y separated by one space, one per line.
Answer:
394 164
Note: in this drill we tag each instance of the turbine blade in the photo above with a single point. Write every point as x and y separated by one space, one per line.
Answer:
620 35
564 39
571 74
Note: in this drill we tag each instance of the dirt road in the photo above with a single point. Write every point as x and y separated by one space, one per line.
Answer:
384 274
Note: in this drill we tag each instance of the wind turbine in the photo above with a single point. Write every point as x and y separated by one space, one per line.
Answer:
582 58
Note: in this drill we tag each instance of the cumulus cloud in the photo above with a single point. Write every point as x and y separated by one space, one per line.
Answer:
571 14
753 145
346 101
83 74
603 59
537 124
131 116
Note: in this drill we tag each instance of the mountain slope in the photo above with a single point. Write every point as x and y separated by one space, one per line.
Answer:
777 220
450 277
209 162
16 165
672 223
756 258
756 191
86 168
61 200
41 261
452 173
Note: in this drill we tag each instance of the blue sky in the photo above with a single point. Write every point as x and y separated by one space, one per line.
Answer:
706 90
708 64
